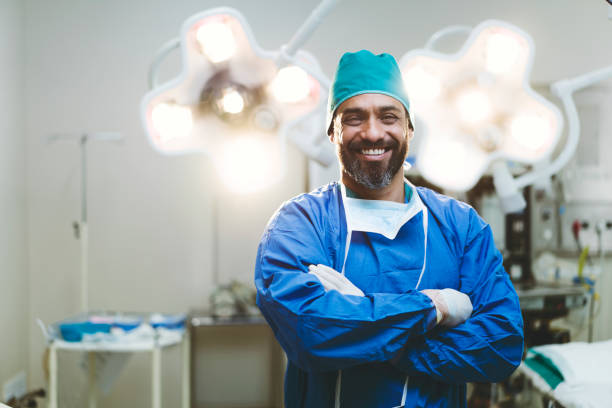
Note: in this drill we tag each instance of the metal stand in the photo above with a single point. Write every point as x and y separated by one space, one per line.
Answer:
156 369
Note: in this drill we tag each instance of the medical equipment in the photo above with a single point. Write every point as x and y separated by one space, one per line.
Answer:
236 102
544 285
542 303
107 349
493 131
518 254
492 115
81 229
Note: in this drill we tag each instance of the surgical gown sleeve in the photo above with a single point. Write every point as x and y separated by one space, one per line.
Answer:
321 330
489 345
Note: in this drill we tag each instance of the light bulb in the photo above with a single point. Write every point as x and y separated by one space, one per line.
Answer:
291 85
502 52
421 85
530 131
171 121
217 41
474 106
231 101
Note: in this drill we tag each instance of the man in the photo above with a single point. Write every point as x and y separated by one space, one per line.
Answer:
383 294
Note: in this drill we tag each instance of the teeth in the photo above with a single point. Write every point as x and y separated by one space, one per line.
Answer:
372 151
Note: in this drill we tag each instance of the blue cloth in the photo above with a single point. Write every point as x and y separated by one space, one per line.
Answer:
363 72
380 339
74 331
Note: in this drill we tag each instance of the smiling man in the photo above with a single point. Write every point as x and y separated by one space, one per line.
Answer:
381 293
372 143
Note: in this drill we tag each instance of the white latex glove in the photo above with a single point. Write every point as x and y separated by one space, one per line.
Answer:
452 306
333 280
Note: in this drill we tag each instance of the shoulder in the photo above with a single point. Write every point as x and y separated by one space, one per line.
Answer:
453 215
314 208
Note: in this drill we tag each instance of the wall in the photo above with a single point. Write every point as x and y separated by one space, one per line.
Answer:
150 217
13 270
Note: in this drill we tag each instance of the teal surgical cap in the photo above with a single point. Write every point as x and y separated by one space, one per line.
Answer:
363 72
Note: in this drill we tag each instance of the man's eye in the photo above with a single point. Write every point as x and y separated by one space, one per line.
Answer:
352 121
388 119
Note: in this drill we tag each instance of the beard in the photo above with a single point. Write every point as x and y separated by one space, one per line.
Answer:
372 175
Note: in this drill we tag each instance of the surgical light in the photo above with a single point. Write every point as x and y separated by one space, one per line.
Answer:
502 51
451 160
231 101
483 103
530 131
172 121
291 85
231 90
217 41
473 106
423 86
264 118
489 138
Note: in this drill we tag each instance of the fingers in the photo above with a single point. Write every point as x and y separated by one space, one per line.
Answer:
336 277
326 268
342 282
327 283
331 279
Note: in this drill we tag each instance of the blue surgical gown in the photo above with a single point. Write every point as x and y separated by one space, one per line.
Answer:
380 340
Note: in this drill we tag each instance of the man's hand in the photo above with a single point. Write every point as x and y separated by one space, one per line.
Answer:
331 279
452 307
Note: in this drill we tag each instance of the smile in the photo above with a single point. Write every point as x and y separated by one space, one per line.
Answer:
372 152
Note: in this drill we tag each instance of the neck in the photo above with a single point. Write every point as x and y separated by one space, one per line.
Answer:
392 192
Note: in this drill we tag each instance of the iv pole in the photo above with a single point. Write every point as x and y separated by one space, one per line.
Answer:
81 229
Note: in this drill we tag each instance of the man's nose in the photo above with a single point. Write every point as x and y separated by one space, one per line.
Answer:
373 130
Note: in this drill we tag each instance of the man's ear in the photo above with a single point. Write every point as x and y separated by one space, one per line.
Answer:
409 134
409 128
331 136
330 130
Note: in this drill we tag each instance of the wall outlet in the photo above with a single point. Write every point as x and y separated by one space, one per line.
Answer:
15 387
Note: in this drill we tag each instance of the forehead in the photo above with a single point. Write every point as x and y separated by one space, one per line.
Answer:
370 102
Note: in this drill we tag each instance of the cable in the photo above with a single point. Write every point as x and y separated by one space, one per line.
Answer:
161 54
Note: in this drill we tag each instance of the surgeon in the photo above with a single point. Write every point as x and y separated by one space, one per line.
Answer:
381 293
